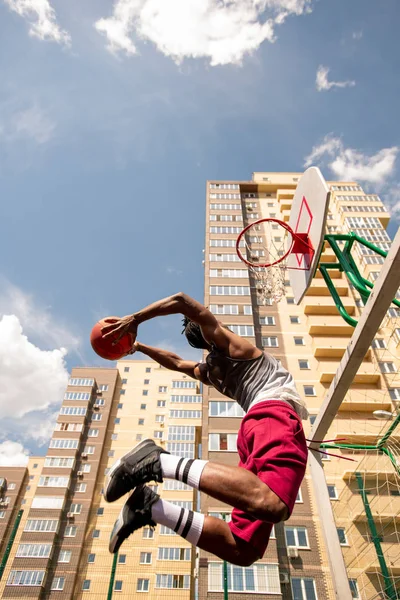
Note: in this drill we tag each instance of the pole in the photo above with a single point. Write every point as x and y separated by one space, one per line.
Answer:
112 576
225 570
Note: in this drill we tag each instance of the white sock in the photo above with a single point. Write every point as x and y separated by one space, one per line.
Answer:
186 523
188 470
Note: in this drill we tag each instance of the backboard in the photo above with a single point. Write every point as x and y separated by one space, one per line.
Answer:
307 216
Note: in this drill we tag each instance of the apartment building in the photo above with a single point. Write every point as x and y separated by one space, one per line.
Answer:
309 340
60 549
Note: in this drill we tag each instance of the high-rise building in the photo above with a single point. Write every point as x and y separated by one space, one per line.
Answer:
54 522
60 548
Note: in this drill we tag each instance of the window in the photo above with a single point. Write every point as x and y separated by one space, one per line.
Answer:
294 319
173 581
143 407
117 421
222 441
2 514
100 402
185 414
85 468
70 531
114 436
76 396
394 393
267 320
78 411
160 418
243 330
126 369
229 290
26 578
181 433
58 461
224 409
118 585
138 437
148 369
222 229
289 300
64 556
93 432
161 403
184 384
172 484
146 382
304 364
41 525
342 536
96 533
142 585
147 533
75 508
354 589
33 551
81 487
48 502
193 398
64 444
312 419
81 382
332 492
162 389
122 392
298 341
86 585
270 342
296 536
145 558
120 405
309 390
234 273
140 421
97 417
124 381
58 583
259 578
69 427
158 435
103 387
100 511
378 343
303 589
145 392
174 553
387 367
224 309
299 497
122 559
91 558
89 449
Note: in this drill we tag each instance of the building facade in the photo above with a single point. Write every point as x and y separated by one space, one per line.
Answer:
54 523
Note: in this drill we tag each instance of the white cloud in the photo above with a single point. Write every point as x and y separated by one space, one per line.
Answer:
223 32
174 271
392 200
30 379
13 454
42 20
32 123
357 35
349 164
323 84
36 320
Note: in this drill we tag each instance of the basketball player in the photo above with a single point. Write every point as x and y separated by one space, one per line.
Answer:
271 443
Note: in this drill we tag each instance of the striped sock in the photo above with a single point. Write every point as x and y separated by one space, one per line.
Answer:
186 523
188 470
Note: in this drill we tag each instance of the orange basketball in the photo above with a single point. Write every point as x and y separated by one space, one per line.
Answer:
104 346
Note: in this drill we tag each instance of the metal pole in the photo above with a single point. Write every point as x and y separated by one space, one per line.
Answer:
10 542
390 590
225 570
112 577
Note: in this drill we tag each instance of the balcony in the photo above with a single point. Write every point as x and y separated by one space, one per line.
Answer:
366 374
366 404
325 306
373 468
327 326
337 350
318 287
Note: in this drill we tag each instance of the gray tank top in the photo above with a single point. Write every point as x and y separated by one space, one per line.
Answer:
253 380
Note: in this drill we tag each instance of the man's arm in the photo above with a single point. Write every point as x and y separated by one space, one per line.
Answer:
172 361
213 331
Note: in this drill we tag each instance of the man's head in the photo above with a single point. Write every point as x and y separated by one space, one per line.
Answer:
194 335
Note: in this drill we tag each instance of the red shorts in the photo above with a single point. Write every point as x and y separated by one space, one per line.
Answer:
271 444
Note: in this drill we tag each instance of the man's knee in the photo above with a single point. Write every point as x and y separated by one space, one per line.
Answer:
271 508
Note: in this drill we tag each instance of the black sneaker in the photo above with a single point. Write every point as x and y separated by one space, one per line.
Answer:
135 513
136 466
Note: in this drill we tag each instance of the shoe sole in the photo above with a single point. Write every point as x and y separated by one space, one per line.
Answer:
120 461
117 529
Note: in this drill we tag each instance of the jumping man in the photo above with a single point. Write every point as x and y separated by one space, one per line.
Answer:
271 443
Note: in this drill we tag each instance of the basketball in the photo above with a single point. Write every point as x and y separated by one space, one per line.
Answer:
104 346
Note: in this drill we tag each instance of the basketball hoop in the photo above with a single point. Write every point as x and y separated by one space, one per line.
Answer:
267 246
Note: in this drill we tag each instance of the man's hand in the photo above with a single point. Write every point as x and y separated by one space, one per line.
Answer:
117 328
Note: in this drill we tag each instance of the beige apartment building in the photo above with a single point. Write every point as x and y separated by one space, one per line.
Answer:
57 519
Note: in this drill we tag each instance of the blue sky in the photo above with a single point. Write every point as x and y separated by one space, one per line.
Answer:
105 153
